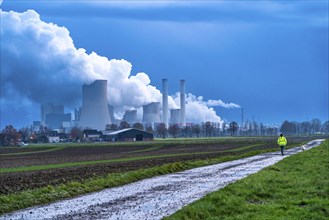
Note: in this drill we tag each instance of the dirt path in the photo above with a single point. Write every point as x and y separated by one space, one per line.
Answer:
156 197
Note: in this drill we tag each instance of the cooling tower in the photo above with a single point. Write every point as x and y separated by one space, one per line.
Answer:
151 112
94 111
130 116
175 116
165 101
182 103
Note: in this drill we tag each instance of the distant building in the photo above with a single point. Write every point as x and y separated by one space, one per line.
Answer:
95 111
55 121
175 116
151 112
91 135
128 134
130 116
50 108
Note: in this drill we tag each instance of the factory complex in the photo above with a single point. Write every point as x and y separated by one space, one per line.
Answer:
97 114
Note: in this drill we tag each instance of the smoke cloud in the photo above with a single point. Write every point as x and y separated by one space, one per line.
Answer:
39 64
220 103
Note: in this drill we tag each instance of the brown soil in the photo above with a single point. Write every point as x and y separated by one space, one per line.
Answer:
18 181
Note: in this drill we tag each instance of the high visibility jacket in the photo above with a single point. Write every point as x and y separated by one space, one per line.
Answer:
282 141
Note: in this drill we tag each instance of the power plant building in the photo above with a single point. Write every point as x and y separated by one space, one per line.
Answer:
57 121
151 113
50 108
175 116
130 116
95 111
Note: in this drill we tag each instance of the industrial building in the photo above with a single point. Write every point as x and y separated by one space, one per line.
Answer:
175 116
151 113
95 111
128 134
56 121
50 108
130 116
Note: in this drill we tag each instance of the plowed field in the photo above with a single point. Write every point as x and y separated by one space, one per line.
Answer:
108 158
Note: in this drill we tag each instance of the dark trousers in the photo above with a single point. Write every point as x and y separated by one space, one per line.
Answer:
282 149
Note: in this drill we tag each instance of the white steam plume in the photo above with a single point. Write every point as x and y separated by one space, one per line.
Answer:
220 103
39 63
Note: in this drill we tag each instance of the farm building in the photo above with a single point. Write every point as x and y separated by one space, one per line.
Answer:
128 134
91 135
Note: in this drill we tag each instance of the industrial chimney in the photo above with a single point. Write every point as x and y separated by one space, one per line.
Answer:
94 112
182 103
165 110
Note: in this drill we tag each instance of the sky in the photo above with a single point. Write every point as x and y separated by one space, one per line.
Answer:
268 57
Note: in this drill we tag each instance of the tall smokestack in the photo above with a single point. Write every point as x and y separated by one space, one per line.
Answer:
165 110
182 103
94 112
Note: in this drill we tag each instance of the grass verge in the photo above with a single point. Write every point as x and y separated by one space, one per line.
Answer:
295 188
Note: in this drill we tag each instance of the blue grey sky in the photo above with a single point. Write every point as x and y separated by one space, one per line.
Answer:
269 57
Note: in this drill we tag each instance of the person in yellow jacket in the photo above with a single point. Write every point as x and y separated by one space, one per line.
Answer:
282 142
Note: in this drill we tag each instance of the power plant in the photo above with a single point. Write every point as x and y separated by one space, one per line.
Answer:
151 113
130 116
175 116
95 111
50 108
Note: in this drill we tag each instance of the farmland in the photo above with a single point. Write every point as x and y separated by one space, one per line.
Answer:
37 166
72 166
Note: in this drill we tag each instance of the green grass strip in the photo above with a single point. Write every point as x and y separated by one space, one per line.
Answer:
35 152
295 188
147 149
72 164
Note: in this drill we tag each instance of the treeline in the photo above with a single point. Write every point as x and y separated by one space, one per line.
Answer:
305 128
12 137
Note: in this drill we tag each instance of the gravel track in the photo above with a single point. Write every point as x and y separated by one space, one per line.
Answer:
156 197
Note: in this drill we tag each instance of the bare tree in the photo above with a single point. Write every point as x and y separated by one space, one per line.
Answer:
124 124
76 134
208 128
149 129
138 126
325 127
233 127
11 136
174 130
196 129
161 129
315 125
